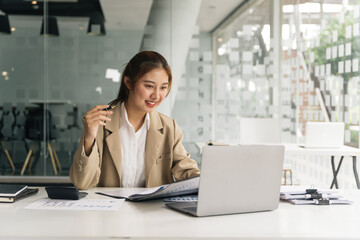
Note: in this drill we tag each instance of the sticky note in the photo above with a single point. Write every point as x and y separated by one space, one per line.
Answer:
312 57
341 50
207 69
234 42
356 11
247 56
348 49
194 56
328 69
347 136
322 70
234 56
346 118
340 118
354 100
317 71
356 29
247 69
334 52
207 56
333 101
194 82
354 119
260 69
355 65
355 81
322 85
342 17
311 86
341 67
334 36
194 43
348 66
328 53
327 100
348 31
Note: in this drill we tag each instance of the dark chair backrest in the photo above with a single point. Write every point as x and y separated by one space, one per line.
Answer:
6 122
1 123
34 125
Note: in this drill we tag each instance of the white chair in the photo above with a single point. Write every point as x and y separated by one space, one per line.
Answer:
263 131
259 130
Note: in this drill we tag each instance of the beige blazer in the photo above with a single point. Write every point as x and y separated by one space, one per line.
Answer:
166 160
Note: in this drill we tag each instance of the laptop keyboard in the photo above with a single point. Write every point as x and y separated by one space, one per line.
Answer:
191 209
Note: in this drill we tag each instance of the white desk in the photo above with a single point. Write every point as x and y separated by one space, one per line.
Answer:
152 220
342 152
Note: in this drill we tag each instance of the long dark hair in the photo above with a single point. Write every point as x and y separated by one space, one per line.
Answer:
139 65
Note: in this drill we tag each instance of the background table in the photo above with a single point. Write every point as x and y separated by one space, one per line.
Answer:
342 152
299 149
152 220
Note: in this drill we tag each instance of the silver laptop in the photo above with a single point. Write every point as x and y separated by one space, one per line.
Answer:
237 179
324 134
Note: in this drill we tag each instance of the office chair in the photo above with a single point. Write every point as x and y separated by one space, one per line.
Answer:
6 122
34 130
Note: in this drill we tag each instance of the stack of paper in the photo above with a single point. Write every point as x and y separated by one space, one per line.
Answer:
306 195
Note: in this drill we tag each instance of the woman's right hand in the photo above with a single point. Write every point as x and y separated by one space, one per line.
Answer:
94 118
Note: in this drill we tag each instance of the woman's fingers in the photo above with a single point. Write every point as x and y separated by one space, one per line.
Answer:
97 110
96 119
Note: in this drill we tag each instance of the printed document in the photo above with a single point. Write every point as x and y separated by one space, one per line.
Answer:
184 187
82 204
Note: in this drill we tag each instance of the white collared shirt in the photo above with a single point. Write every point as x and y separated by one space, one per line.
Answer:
132 151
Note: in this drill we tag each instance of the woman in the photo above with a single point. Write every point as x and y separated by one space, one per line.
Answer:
132 145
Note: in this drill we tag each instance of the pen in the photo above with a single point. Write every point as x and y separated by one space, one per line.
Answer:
109 108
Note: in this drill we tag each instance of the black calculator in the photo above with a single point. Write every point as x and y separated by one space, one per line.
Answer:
69 193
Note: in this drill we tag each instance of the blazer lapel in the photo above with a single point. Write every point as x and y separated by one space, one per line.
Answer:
154 140
113 137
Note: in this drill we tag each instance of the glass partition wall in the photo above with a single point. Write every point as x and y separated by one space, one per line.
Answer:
295 61
59 59
244 70
305 71
53 65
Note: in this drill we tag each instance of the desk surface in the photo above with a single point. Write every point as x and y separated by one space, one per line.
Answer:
300 149
293 148
153 220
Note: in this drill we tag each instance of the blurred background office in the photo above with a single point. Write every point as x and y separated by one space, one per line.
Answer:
290 60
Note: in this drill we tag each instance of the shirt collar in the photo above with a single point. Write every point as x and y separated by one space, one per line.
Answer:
124 117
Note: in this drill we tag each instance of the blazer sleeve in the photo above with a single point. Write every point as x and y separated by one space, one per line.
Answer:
183 166
85 170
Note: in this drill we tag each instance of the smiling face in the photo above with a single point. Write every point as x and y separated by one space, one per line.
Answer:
148 92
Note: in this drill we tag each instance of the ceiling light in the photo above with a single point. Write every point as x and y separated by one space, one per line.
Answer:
13 29
96 25
51 27
4 23
34 2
